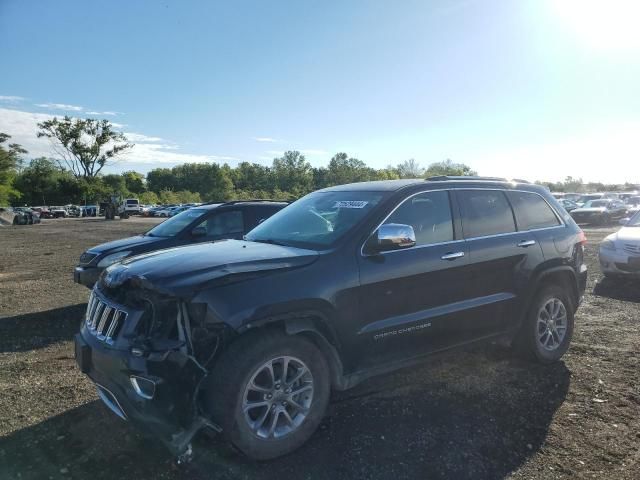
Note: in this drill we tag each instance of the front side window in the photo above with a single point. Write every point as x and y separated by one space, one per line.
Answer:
317 220
177 223
223 224
429 214
485 212
532 211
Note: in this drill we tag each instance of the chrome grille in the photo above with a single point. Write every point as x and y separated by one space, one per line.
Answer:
632 248
103 319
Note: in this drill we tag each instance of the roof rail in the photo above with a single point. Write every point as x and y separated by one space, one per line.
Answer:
440 178
234 202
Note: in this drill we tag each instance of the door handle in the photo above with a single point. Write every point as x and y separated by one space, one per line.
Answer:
452 256
526 243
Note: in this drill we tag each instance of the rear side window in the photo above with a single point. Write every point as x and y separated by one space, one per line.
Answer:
532 211
430 216
485 212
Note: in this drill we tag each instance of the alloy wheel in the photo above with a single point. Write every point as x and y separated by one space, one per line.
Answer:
278 397
552 324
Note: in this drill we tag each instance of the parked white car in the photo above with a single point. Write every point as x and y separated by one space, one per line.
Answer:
620 251
168 212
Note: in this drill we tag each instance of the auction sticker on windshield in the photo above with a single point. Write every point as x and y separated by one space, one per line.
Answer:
350 204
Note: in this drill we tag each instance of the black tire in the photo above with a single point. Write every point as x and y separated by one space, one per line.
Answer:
529 343
124 215
225 391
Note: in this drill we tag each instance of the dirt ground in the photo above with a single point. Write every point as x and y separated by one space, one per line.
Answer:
477 414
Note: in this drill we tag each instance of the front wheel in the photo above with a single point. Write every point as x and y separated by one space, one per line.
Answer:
548 328
269 393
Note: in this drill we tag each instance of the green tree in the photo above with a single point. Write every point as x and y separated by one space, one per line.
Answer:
134 182
84 146
168 197
448 168
409 169
160 179
252 177
343 169
148 198
292 173
185 196
115 184
39 182
10 161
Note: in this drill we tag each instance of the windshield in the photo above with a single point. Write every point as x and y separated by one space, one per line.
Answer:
596 204
634 221
317 220
175 225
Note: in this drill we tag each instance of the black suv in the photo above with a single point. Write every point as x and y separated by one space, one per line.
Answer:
204 223
249 337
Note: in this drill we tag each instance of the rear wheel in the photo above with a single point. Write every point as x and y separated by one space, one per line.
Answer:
548 328
269 393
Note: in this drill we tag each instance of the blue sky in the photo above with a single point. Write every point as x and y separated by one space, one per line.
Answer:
539 89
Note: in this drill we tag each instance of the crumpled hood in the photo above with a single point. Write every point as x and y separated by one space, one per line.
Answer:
183 270
123 244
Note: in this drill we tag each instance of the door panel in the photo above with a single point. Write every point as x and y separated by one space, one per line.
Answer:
500 267
410 299
501 260
410 303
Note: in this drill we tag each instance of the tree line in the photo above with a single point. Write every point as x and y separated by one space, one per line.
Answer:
81 148
44 182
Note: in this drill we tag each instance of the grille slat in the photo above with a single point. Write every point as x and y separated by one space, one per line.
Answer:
96 315
103 319
632 248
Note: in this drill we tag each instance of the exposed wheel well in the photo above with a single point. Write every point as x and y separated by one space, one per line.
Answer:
564 279
311 328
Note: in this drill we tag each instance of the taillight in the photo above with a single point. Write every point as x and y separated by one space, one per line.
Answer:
582 238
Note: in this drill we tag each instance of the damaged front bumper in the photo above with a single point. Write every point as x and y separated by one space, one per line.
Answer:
157 389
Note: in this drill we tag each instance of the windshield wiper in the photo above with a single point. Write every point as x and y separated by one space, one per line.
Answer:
270 241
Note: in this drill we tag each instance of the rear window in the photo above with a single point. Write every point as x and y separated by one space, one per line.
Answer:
532 211
485 212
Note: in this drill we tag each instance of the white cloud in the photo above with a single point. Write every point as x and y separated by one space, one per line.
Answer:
22 126
265 139
149 151
60 106
139 137
277 153
154 154
10 98
108 114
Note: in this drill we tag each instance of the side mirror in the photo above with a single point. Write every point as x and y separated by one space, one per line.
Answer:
393 236
199 232
624 221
